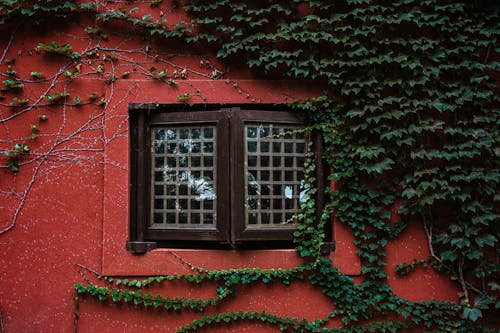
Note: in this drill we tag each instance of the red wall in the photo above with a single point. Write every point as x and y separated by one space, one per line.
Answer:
71 197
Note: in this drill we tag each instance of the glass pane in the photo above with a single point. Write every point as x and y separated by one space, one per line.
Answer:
172 148
251 132
158 204
195 204
276 147
208 147
252 218
274 174
158 190
183 133
158 218
196 133
171 218
252 147
183 185
183 218
195 218
252 161
196 161
208 133
208 161
208 219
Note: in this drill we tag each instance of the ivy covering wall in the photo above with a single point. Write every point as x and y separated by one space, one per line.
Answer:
410 119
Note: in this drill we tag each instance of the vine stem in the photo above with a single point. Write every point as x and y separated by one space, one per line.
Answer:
39 99
462 280
9 43
2 328
76 307
187 263
50 153
428 232
89 269
463 284
24 197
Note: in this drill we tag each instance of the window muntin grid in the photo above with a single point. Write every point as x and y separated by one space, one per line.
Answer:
183 191
274 169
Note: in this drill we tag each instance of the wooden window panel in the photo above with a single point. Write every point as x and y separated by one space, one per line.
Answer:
143 228
243 231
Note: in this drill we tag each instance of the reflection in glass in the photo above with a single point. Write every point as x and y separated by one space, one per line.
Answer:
195 133
274 181
251 132
208 147
183 189
171 148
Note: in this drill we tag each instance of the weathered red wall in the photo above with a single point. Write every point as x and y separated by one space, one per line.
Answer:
76 208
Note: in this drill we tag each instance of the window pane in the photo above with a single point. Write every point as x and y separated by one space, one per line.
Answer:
184 192
274 157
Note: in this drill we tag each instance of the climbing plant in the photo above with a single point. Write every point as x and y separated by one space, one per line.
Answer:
409 116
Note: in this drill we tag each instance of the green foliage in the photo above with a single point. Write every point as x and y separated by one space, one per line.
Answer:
410 122
56 97
55 48
14 154
36 75
12 84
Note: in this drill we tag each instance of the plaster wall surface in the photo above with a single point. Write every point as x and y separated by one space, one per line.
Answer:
71 204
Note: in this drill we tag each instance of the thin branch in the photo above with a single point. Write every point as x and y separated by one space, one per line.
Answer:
187 263
90 270
2 328
23 198
428 232
463 283
9 43
462 280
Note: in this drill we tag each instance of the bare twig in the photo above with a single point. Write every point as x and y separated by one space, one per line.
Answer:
462 280
89 270
463 283
23 198
187 263
2 328
428 232
9 43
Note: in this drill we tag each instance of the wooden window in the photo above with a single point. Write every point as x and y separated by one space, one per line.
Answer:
214 178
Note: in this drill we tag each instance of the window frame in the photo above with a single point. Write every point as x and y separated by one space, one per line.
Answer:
230 225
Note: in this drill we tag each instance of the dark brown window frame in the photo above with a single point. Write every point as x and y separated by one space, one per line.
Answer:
230 227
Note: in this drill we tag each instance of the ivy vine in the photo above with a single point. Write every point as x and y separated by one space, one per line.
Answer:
410 119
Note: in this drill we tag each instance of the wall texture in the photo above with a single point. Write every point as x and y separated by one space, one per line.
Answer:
67 207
